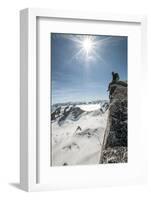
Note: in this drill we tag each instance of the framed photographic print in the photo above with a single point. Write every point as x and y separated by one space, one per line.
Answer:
82 77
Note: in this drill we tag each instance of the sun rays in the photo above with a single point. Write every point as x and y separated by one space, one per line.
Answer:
87 47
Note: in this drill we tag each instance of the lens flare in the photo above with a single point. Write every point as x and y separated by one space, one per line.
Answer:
87 45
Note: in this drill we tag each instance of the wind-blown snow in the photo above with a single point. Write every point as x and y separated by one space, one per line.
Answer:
77 137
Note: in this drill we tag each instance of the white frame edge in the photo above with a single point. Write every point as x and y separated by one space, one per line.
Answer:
27 100
28 81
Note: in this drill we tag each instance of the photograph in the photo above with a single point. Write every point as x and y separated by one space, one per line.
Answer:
89 102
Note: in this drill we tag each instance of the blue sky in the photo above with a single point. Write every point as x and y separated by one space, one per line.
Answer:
81 75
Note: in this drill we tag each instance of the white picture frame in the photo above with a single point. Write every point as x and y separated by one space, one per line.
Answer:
29 148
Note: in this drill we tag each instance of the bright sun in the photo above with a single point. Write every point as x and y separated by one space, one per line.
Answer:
87 45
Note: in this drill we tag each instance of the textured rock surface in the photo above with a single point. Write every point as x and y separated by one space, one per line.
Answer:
115 155
115 139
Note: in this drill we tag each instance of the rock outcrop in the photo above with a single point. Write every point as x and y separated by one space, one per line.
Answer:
114 149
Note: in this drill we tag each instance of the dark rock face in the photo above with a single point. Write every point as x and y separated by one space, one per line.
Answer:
64 116
104 107
115 155
115 140
75 112
56 114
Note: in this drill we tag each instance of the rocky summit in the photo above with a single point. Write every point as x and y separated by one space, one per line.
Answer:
114 149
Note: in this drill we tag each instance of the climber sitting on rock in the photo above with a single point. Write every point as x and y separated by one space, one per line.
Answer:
114 83
115 78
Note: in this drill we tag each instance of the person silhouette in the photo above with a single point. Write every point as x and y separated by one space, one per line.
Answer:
115 77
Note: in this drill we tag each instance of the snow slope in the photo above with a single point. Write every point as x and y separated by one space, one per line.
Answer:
77 134
89 107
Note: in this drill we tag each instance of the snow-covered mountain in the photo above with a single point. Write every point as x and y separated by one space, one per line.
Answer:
77 132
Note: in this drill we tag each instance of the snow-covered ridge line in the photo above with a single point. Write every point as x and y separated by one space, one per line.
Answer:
56 105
